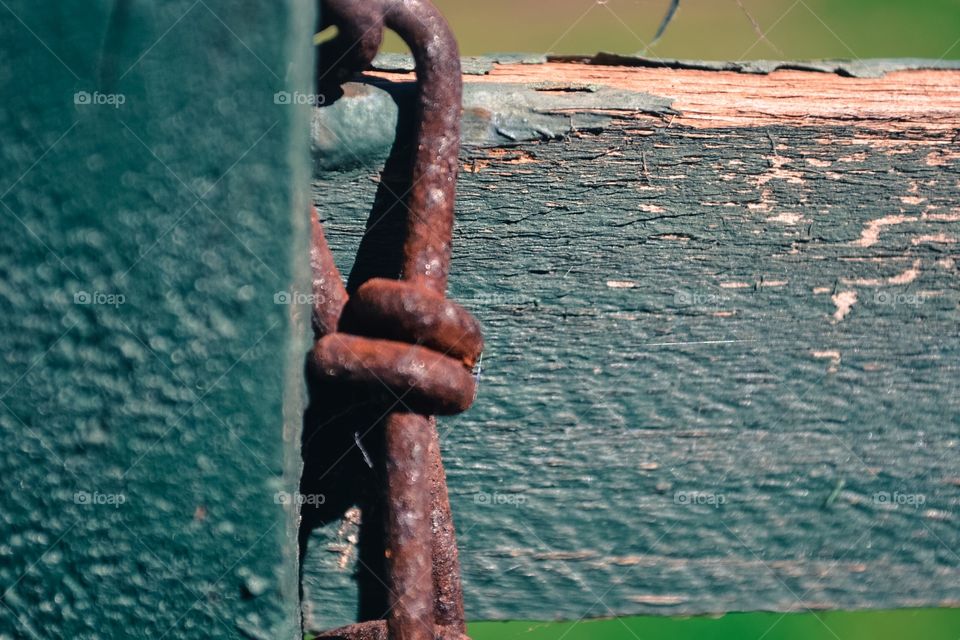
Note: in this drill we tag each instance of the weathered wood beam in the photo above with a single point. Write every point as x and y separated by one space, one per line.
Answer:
722 349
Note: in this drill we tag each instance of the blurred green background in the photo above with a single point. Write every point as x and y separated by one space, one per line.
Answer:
931 624
718 30
710 29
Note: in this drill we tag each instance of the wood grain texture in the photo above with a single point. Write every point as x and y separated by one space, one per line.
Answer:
722 351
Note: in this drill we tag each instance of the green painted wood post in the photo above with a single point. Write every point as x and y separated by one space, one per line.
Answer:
153 199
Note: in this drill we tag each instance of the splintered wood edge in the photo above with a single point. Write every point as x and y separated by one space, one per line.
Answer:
896 101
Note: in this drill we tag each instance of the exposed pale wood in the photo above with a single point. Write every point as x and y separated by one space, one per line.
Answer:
899 100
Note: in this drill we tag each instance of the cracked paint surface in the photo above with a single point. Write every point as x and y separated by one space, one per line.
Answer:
746 293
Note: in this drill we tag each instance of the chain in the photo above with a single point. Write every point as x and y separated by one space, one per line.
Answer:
404 334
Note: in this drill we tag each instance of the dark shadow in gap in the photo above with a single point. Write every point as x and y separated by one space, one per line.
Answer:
342 439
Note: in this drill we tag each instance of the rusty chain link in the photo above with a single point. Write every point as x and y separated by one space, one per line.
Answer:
404 334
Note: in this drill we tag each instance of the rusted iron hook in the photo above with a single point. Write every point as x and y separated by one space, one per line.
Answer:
404 335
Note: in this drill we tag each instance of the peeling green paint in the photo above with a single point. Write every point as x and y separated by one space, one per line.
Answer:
359 129
720 370
471 65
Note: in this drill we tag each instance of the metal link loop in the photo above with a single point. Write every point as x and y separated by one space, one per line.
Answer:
404 338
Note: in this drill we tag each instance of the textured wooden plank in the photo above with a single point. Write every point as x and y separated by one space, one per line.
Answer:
721 323
149 393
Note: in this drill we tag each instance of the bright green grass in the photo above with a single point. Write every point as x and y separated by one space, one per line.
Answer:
908 624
